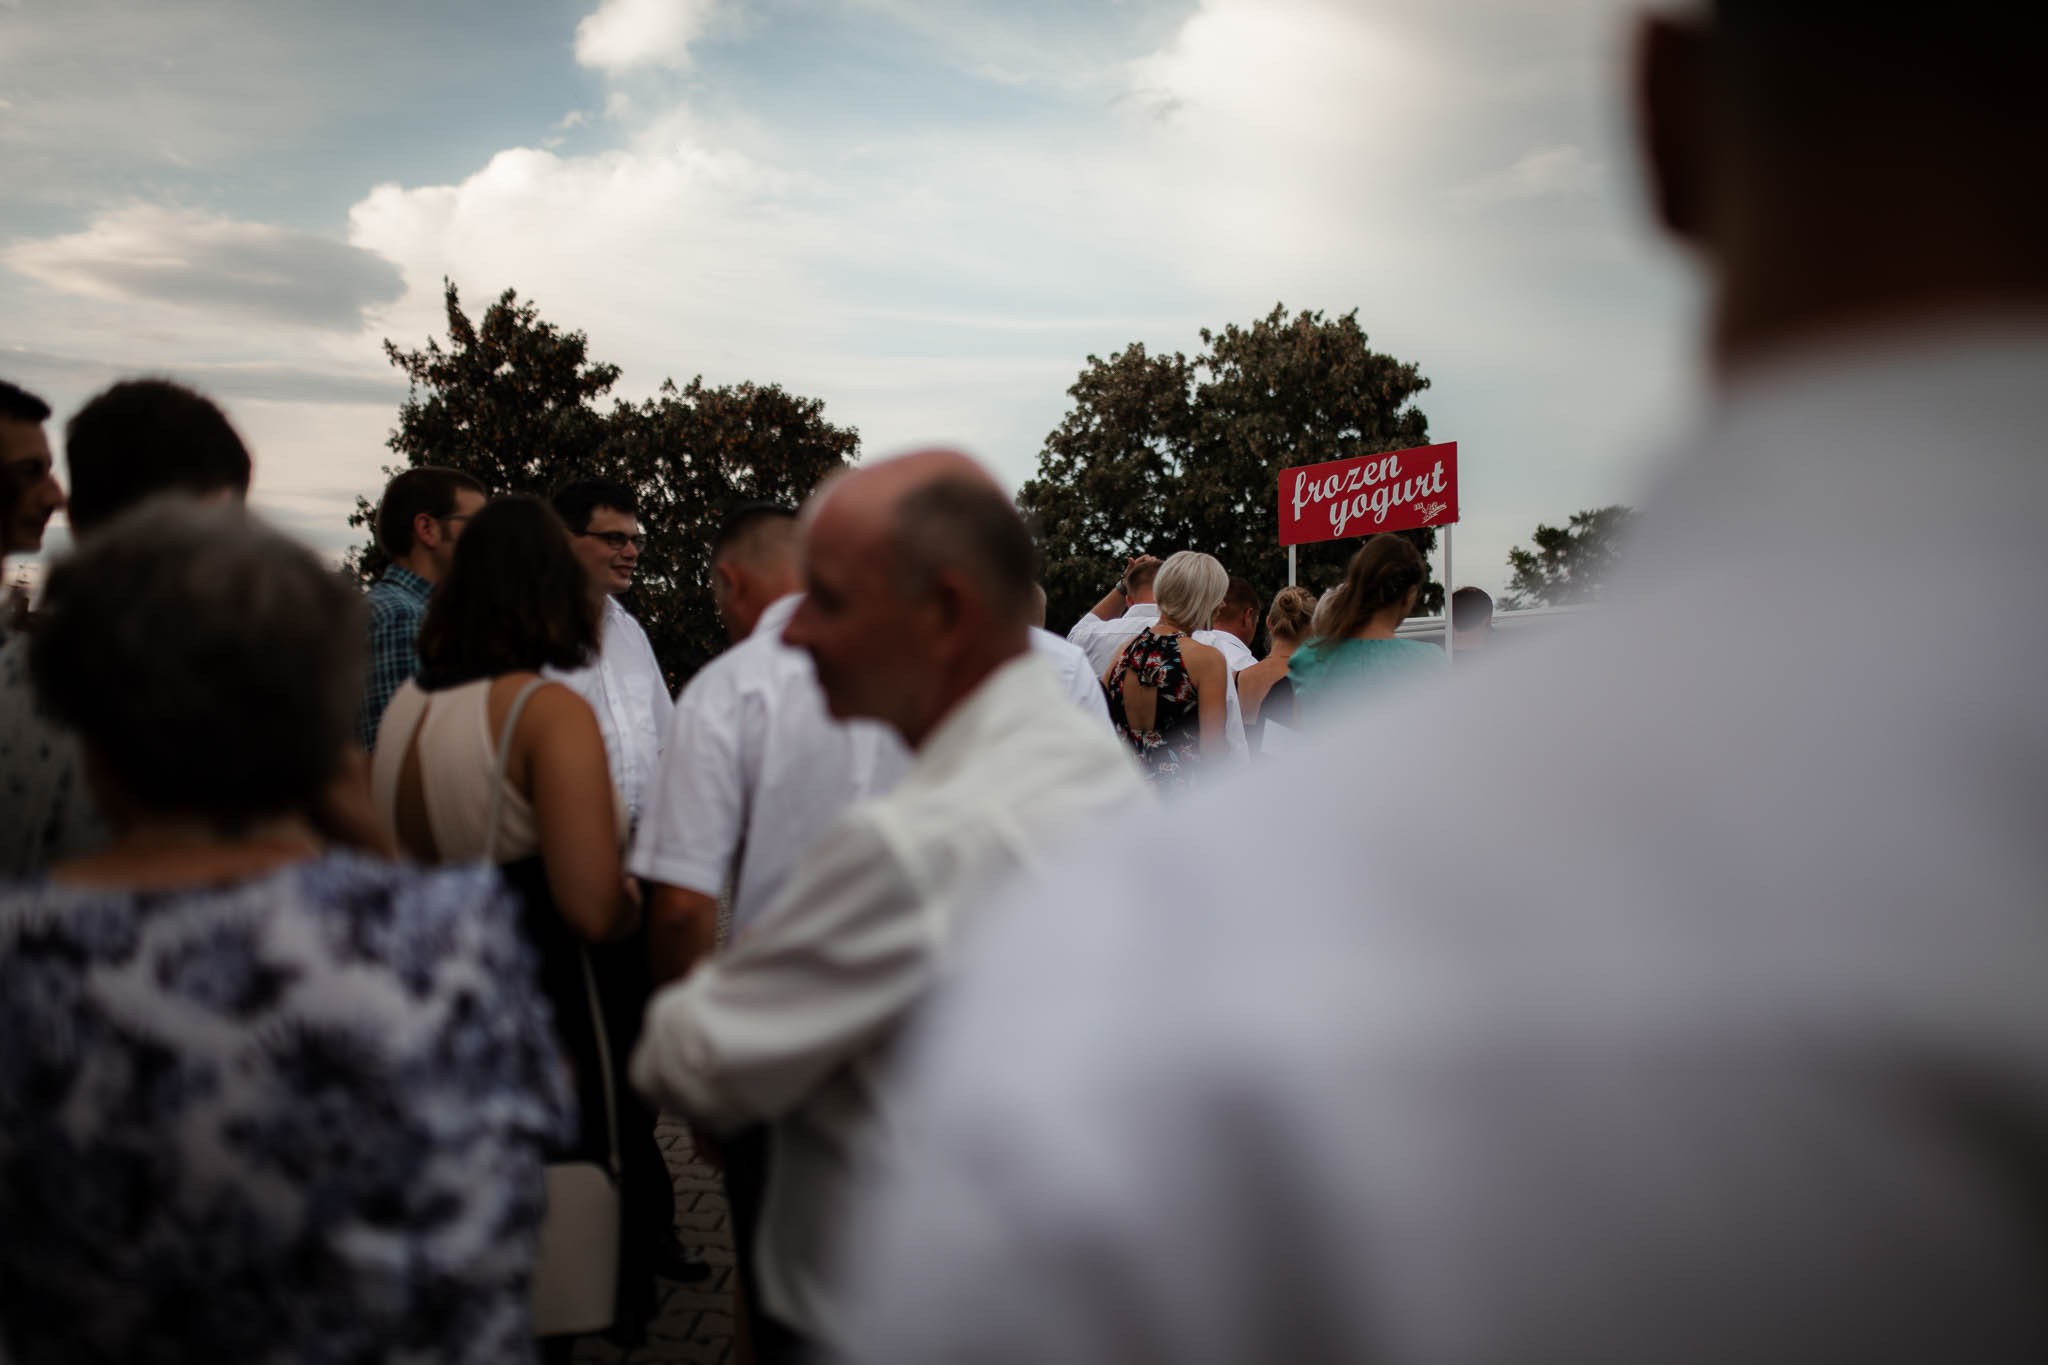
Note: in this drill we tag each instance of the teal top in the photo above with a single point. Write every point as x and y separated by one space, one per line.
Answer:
1332 671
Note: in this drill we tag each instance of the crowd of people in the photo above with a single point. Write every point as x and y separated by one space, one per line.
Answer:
1671 988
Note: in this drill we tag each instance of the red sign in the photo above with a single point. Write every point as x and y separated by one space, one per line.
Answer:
1398 491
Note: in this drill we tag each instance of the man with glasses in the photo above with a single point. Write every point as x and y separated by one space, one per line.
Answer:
624 685
422 513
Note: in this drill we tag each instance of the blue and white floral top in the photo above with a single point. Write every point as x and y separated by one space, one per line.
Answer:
300 1118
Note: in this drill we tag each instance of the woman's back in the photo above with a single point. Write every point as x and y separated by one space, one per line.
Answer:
1155 703
297 1117
1326 672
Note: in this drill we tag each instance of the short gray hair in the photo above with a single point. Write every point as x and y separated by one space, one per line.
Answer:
212 663
1189 588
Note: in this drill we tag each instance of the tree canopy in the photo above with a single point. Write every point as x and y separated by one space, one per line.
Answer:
513 400
1162 453
1570 563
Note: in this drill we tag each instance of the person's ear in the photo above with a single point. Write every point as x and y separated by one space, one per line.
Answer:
426 530
1674 120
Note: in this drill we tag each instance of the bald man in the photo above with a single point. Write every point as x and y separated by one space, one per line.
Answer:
918 592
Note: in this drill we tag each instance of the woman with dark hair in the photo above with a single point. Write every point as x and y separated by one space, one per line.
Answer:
262 1097
481 757
1353 648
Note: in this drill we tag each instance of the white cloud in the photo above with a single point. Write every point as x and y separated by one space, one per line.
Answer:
622 35
189 259
933 281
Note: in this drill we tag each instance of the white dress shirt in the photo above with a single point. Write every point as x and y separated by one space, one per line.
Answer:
1103 640
754 771
793 1023
1686 999
626 690
1070 662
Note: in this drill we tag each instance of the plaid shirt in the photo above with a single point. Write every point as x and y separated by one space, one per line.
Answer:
398 603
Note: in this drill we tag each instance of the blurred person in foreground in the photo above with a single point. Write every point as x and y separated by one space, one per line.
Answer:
1686 997
1264 689
1353 649
1165 688
516 602
421 514
136 439
263 1097
918 575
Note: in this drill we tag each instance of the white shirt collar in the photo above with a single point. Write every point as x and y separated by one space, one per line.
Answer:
1142 611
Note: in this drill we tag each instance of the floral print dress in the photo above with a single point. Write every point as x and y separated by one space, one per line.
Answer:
1170 751
297 1118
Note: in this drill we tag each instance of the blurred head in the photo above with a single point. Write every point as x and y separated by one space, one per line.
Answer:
1239 612
422 513
1471 613
917 585
1380 585
147 436
756 559
516 599
211 666
1851 166
603 518
1288 620
1189 588
28 479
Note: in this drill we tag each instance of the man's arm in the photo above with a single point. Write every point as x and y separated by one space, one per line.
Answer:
1114 602
394 658
828 968
692 824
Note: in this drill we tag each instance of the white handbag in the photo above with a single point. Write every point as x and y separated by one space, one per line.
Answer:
576 1271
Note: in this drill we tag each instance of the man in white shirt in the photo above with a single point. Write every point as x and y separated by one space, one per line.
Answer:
918 574
1124 610
755 770
1733 1044
1068 660
624 684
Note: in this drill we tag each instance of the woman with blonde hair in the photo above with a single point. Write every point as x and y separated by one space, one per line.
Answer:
1168 691
1263 690
1354 648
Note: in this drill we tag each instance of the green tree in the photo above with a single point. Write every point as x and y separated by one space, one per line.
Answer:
513 400
1161 453
1570 563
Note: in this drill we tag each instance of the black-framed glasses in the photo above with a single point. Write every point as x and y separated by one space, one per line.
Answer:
618 540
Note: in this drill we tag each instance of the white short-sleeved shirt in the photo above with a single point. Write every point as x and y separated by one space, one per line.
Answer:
1101 640
755 769
1070 662
792 1024
1685 1000
628 694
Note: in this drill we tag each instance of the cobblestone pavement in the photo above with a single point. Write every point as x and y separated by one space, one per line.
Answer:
694 1322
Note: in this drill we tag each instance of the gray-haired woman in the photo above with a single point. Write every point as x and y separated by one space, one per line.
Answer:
262 1097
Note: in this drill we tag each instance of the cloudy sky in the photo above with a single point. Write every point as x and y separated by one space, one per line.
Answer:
926 212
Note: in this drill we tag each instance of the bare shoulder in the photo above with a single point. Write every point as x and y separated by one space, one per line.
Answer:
1201 658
